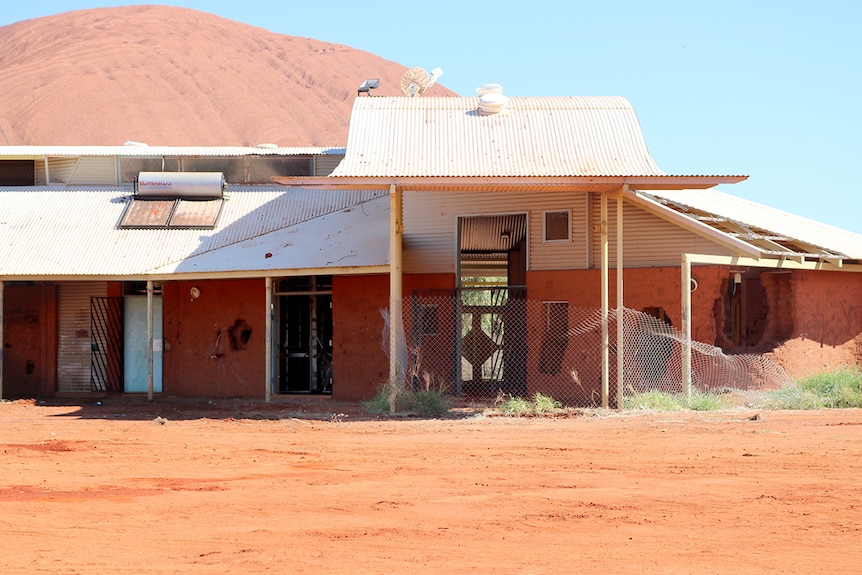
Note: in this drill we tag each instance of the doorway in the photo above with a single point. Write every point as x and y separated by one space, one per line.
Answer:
304 328
491 295
136 342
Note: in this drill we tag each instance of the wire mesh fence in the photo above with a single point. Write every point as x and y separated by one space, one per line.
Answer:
487 342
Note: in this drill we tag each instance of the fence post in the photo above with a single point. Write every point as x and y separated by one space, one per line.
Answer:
686 326
620 307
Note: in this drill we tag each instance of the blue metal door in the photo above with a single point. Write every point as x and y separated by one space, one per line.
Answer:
135 344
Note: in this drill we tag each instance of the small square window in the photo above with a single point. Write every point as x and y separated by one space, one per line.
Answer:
557 227
429 319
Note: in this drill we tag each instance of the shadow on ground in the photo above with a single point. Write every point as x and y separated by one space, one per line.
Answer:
320 408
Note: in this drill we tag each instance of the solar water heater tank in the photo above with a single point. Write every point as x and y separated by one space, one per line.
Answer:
186 185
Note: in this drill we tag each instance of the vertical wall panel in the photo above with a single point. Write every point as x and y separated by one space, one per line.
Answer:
41 176
98 170
325 163
61 170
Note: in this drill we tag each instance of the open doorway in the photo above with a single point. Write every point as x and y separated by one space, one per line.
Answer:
304 329
492 266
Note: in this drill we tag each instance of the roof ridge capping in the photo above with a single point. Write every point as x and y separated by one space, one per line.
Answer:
467 102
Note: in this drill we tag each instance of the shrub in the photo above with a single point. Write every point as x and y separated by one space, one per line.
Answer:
394 398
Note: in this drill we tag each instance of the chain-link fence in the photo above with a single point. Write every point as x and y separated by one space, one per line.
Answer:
481 343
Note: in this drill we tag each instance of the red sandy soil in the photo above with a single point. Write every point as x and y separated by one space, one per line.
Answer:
173 76
238 487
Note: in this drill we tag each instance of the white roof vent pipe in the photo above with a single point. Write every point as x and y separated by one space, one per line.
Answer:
491 99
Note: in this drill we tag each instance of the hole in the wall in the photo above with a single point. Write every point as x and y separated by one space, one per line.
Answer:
240 334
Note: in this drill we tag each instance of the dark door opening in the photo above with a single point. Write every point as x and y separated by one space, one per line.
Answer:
305 335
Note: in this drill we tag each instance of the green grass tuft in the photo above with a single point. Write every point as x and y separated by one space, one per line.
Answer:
660 401
835 389
520 407
426 403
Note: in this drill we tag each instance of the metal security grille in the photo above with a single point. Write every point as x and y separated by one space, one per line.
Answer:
106 344
492 341
486 354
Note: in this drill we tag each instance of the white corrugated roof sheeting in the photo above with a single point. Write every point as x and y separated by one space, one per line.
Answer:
352 237
765 217
159 151
48 232
537 136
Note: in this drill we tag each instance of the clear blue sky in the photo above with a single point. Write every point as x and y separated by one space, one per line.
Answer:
766 88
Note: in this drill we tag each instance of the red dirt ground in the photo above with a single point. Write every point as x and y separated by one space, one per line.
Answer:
237 487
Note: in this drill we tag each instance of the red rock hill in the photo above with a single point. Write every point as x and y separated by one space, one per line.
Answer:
174 76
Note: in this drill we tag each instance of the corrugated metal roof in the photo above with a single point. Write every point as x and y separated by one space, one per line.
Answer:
538 136
158 151
770 229
48 232
355 237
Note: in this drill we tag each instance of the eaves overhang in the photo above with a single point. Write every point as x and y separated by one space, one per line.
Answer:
502 183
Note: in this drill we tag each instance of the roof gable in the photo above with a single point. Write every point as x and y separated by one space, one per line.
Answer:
532 137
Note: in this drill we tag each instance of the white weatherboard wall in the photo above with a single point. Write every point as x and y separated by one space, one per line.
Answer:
83 171
648 240
99 171
430 227
61 170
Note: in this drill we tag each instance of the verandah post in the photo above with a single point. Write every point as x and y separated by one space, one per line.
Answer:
268 340
396 230
605 343
686 326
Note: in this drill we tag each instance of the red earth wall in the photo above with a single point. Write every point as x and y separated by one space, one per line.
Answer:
827 323
360 362
642 288
203 355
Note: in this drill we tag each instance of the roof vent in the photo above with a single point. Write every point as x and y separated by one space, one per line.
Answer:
491 99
